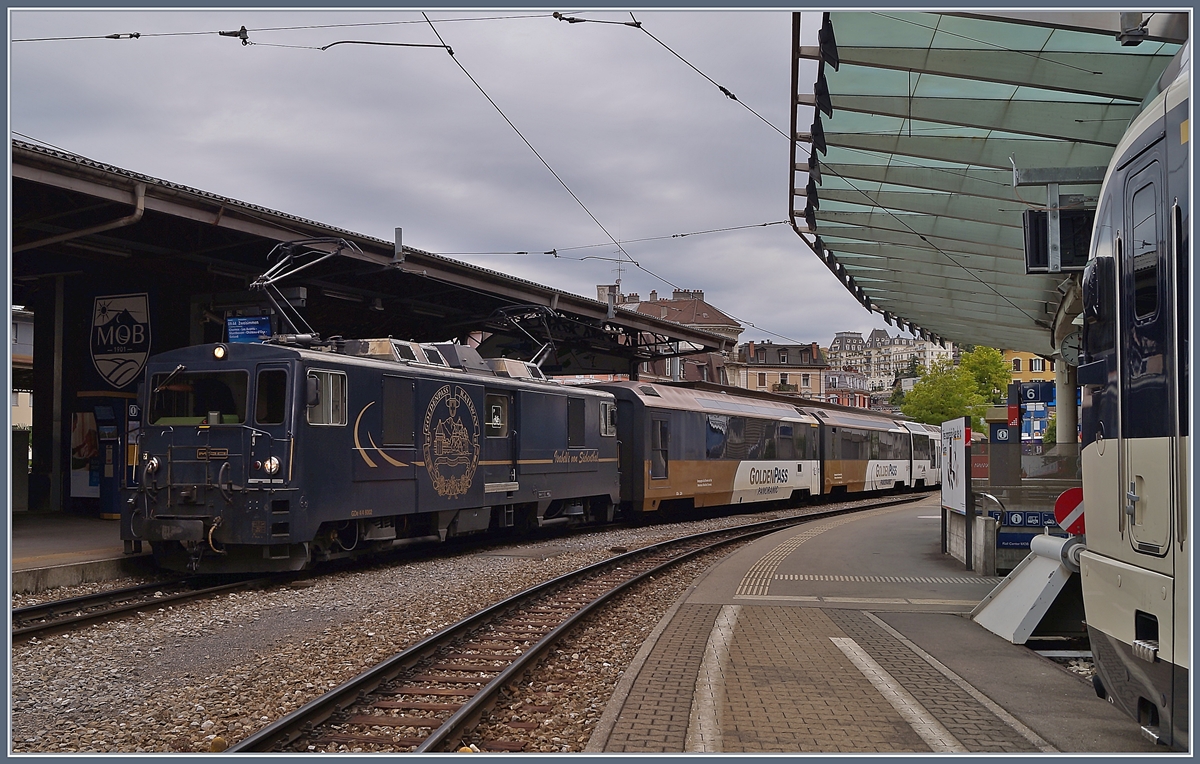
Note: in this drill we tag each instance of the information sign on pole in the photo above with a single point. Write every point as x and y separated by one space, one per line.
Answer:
956 482
955 467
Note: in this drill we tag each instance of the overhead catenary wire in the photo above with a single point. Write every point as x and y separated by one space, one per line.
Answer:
244 33
623 241
538 154
639 25
137 35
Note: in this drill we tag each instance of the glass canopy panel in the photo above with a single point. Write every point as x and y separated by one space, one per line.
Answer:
930 111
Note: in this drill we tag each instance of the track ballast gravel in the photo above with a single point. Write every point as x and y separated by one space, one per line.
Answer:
206 674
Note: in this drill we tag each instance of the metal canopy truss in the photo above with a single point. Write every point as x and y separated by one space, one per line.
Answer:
79 217
908 138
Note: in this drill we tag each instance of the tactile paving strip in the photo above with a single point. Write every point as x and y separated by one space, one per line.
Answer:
888 579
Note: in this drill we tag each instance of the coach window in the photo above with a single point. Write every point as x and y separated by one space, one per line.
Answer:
1143 245
398 429
714 438
497 416
330 406
608 419
660 439
575 420
270 396
786 442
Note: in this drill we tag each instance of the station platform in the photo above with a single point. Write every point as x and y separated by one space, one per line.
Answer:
51 549
849 635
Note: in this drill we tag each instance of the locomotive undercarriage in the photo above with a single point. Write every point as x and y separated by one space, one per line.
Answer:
197 537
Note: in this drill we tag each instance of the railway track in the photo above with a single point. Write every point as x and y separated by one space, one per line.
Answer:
428 697
62 615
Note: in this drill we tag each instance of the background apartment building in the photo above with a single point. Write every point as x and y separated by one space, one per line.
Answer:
687 307
882 358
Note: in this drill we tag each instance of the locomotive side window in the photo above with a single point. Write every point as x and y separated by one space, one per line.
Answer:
497 416
660 439
270 396
575 423
330 408
189 398
608 419
1143 246
398 427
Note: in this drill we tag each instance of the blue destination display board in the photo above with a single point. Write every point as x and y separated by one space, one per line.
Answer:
248 328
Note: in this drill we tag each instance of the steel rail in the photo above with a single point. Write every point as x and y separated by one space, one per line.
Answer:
58 624
353 691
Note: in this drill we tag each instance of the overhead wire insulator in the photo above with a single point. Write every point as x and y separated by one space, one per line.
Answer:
241 34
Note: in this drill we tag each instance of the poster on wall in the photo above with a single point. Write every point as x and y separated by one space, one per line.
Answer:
956 474
85 456
120 336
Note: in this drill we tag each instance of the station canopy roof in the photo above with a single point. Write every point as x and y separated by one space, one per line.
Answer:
77 218
917 121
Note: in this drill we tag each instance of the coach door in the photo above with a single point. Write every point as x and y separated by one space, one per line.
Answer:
499 456
1147 366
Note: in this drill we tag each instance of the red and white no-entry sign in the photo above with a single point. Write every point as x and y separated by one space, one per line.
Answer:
1068 511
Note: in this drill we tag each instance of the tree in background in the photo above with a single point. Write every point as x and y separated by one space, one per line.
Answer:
991 374
1048 434
945 392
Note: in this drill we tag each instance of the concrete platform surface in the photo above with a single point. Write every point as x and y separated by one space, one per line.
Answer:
849 635
49 549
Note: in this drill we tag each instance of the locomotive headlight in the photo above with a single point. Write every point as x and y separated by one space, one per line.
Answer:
271 465
152 465
219 352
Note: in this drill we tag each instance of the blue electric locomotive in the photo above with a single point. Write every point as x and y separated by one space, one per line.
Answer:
267 457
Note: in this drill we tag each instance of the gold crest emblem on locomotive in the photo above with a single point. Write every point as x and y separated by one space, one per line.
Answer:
451 430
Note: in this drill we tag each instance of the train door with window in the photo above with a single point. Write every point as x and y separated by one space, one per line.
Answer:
500 469
270 447
1147 389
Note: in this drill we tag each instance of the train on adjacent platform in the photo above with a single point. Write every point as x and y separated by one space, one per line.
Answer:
272 456
1136 569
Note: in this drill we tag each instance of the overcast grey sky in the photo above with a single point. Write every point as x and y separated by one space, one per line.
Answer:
369 138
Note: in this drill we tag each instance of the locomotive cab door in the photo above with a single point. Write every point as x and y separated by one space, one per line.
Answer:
500 473
1146 320
271 416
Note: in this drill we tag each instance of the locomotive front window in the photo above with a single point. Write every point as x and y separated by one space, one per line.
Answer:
189 398
330 408
270 396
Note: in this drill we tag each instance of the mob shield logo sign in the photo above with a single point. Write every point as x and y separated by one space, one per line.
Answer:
120 336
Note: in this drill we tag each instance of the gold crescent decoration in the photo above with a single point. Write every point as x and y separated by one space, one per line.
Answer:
358 443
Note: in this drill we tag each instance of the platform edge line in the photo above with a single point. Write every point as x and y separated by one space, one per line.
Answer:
965 686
